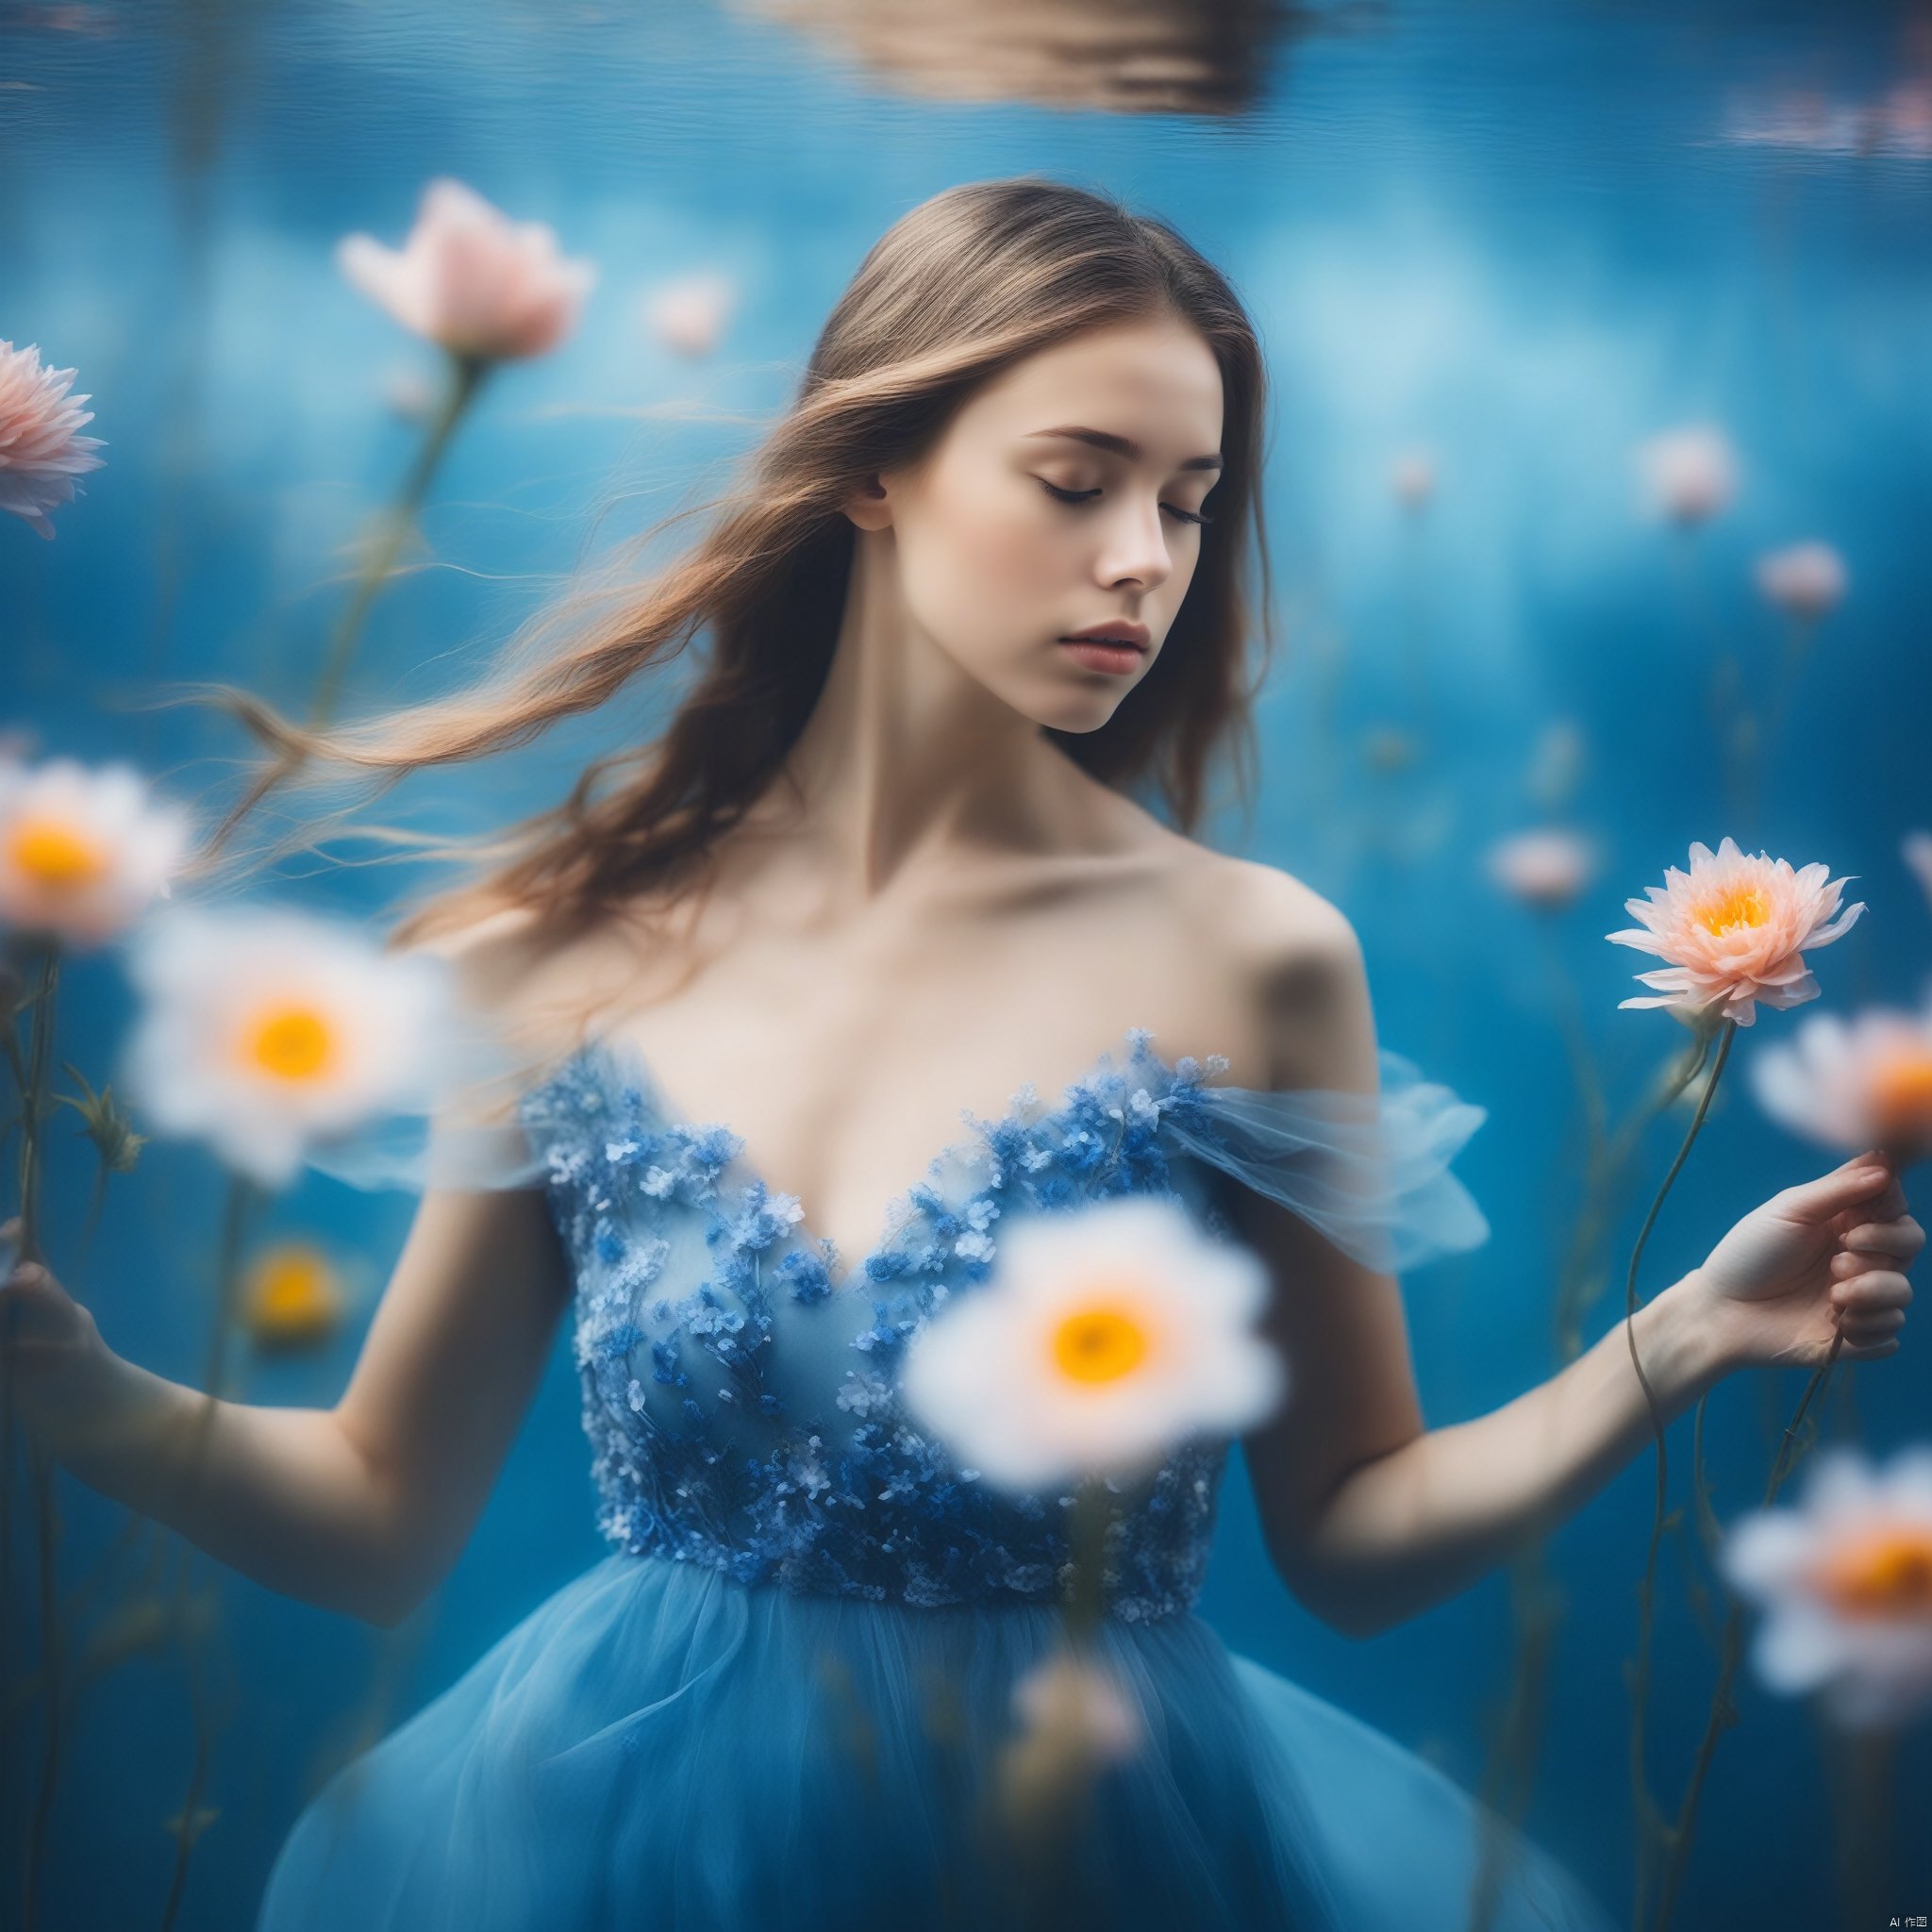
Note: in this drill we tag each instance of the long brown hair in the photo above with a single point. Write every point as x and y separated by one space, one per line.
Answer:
957 291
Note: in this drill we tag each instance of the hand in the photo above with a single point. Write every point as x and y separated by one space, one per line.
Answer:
1824 1255
52 1356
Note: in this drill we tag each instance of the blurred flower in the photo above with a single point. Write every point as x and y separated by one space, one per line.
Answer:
292 1298
42 451
265 1029
1076 1718
1916 850
1866 1082
1734 929
408 392
485 287
1691 474
1413 477
1898 121
1105 1336
1556 764
1808 580
1389 748
1079 1699
1847 1582
690 314
1546 867
83 853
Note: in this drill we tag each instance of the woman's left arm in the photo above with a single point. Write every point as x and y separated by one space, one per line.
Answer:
1370 1517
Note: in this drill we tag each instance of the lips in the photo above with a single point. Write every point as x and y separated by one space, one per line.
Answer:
1118 633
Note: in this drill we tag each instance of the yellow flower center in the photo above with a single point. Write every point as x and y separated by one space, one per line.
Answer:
1888 1574
291 1042
292 1294
1099 1345
1901 1098
1734 906
55 854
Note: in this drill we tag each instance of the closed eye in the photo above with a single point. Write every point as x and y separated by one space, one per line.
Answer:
1187 516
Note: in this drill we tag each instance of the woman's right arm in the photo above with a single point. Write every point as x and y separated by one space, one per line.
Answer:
361 1508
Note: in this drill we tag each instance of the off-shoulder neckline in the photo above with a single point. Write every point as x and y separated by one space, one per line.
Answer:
624 1058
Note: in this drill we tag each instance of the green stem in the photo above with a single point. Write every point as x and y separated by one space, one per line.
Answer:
242 1195
1535 1604
1723 1712
1086 1599
466 373
1650 1826
33 1108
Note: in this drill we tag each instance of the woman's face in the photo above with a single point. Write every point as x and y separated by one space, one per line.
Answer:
1063 497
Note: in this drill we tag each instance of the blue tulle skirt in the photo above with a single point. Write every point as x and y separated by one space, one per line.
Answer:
657 1745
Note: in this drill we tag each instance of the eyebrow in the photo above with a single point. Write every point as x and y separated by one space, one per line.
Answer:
1121 445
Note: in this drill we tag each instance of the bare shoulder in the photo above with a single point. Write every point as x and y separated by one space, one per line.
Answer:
491 956
1294 960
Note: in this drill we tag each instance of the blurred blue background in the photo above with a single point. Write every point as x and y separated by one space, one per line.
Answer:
1518 239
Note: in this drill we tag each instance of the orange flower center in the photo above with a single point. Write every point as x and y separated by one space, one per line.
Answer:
1901 1098
1099 1345
1734 906
55 856
1886 1573
292 1294
292 1043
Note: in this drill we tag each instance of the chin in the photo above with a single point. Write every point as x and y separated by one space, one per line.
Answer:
1077 712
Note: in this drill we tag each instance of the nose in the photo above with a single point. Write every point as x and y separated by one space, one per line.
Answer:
1136 549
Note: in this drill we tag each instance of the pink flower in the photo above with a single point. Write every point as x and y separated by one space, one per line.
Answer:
1733 930
40 454
1413 477
1547 867
472 280
1690 473
1808 580
1916 850
1854 1083
689 315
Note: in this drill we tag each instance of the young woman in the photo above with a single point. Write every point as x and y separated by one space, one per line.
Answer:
984 582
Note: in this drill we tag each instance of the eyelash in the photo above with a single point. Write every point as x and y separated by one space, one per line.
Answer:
1059 495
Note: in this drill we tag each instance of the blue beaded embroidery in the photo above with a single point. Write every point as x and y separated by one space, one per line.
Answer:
741 1399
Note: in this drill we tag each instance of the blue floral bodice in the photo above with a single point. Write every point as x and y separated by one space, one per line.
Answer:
740 1388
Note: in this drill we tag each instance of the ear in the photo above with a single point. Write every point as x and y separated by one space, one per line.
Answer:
869 506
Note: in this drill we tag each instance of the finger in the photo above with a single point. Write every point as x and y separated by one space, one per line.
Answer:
1879 1288
1883 1327
1902 1236
1837 1192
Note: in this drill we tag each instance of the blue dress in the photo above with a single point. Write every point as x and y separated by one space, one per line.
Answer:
770 1705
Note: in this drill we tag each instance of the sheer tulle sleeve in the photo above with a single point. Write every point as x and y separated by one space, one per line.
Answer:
476 1131
1370 1171
415 1153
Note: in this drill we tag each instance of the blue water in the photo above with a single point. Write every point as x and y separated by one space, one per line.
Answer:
1524 238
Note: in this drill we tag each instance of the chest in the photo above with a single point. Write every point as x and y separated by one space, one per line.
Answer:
845 1061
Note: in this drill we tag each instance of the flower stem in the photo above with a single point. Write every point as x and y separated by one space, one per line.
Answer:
34 1081
1650 1825
1536 1603
242 1195
1723 1712
466 373
1086 1599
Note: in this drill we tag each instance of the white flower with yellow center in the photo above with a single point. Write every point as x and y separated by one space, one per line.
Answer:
1105 1337
1846 1580
264 1031
1857 1083
83 853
